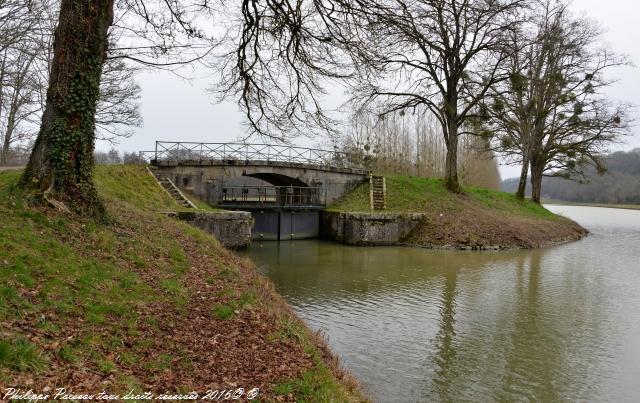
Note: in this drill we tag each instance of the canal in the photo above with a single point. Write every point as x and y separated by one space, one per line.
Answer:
556 324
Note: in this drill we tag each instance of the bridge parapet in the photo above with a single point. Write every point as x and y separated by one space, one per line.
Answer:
193 153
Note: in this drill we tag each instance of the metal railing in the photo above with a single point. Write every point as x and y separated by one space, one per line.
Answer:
272 196
191 151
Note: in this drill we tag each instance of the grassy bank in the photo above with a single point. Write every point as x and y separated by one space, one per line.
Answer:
144 303
476 217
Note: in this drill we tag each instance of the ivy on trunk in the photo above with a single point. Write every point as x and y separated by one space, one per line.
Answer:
61 164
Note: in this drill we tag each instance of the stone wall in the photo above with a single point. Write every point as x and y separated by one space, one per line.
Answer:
368 229
231 228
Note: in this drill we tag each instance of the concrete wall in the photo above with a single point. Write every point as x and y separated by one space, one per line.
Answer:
205 179
234 228
368 229
231 228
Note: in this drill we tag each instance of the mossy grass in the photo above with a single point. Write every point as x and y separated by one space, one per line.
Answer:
223 311
21 355
134 184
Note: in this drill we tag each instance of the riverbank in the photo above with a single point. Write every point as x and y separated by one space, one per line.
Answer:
474 219
603 205
533 325
145 303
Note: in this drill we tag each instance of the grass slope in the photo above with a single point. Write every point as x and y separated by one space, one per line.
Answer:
476 217
145 303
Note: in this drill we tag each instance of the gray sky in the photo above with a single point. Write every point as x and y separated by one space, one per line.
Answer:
174 109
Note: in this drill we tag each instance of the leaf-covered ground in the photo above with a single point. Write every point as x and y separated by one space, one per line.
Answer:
144 303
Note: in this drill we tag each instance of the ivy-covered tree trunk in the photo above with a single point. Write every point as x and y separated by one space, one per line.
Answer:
61 163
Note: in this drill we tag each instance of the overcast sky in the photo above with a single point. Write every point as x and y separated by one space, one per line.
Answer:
174 109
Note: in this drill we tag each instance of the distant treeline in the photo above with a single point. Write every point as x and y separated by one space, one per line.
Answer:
19 155
619 185
408 144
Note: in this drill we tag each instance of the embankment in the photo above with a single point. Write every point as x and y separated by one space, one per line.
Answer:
144 303
436 218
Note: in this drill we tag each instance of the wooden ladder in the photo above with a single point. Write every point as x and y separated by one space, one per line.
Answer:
378 190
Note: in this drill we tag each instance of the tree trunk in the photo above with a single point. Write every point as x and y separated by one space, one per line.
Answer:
3 151
451 163
61 163
524 173
11 118
537 169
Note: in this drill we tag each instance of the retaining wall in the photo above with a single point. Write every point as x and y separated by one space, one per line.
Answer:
368 229
231 228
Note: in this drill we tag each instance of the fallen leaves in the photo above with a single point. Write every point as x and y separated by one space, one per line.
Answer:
172 346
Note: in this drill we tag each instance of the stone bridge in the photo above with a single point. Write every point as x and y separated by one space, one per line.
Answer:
259 178
258 174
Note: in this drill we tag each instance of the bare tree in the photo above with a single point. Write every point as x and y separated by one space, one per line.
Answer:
24 68
109 157
20 48
411 144
118 109
16 21
61 164
21 102
279 59
552 114
441 55
132 158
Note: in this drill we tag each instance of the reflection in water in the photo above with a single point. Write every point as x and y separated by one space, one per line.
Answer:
529 367
444 339
415 325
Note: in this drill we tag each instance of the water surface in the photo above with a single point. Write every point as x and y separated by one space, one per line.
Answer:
558 324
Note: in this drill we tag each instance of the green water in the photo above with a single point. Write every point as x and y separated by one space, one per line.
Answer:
559 324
